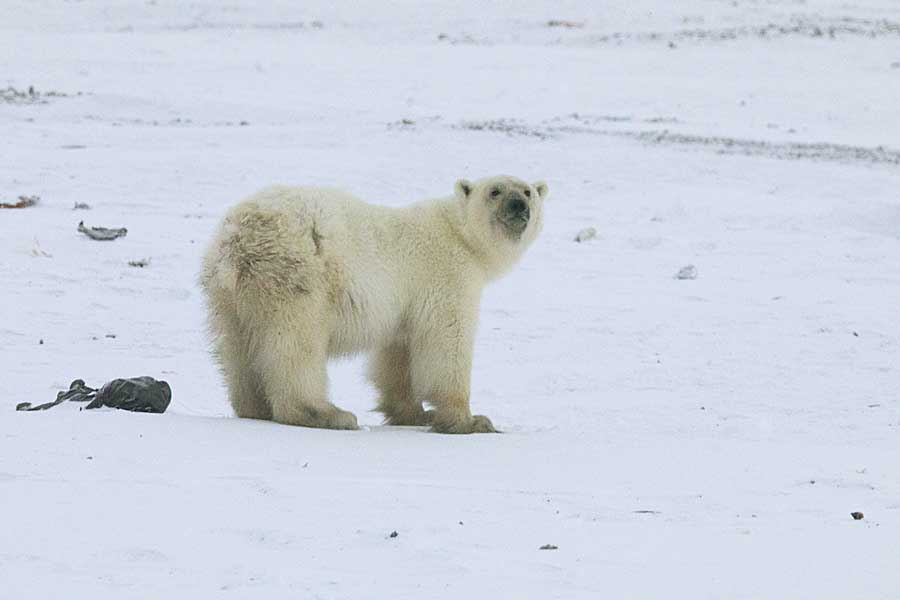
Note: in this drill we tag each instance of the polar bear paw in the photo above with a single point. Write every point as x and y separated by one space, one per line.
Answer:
330 418
342 419
474 424
415 418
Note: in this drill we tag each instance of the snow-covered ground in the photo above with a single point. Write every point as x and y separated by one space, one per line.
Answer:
703 438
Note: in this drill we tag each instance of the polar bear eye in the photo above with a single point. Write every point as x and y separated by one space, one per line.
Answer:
528 193
495 192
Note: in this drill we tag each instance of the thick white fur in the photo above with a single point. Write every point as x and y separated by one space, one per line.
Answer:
296 275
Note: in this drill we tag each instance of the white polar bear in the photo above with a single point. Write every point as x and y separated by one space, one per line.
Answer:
296 275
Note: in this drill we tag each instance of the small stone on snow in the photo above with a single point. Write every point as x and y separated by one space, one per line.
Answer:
586 234
687 272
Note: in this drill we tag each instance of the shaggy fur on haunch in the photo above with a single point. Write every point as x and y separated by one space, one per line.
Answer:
296 275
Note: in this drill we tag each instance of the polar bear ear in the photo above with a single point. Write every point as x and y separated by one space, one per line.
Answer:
463 188
541 188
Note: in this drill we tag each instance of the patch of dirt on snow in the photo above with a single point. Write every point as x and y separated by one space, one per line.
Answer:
12 95
576 124
511 127
789 150
798 26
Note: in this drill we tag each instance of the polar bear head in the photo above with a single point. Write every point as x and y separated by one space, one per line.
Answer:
502 215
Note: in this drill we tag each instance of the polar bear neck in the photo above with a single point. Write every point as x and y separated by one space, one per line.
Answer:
494 257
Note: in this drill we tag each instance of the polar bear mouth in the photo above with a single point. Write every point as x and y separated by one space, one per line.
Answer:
513 224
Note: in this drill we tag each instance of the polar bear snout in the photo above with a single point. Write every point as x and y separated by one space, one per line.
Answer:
514 213
517 208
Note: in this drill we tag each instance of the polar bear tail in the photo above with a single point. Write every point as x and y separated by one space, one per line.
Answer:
220 270
264 251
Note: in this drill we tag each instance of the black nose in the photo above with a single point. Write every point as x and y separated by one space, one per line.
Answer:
517 207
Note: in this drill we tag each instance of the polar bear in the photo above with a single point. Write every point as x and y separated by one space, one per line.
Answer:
297 275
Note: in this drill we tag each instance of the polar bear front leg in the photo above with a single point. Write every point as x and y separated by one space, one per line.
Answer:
389 370
441 369
292 365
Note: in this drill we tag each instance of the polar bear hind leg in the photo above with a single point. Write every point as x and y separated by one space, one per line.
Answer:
291 356
230 347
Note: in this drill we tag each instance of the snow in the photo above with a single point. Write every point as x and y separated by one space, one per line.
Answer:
702 438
